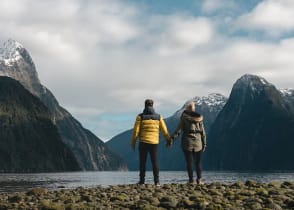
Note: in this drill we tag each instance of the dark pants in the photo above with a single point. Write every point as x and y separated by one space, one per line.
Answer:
189 156
144 149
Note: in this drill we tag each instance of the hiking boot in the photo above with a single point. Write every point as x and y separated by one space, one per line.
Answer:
191 182
157 184
140 183
199 182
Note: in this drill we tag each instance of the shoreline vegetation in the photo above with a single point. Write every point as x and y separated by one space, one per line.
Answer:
239 195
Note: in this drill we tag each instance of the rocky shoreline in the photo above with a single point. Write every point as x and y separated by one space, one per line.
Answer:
239 195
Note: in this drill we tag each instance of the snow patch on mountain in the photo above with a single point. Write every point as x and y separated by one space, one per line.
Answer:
253 82
10 52
213 102
287 92
213 99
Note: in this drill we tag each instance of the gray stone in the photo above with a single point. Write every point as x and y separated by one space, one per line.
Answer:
274 206
168 202
15 199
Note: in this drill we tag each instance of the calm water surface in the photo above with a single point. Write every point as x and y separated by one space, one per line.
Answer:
53 181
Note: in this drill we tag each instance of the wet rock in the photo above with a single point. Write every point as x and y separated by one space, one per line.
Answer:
15 199
250 183
274 192
238 185
290 204
247 192
255 206
229 194
187 203
153 201
69 201
120 197
87 198
38 191
262 192
218 201
168 202
74 207
275 184
274 206
287 184
158 195
4 206
215 192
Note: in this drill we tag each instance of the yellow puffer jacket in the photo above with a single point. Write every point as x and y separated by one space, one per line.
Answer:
148 130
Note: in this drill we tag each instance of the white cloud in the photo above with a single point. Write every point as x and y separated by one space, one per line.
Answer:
272 16
181 34
106 57
11 8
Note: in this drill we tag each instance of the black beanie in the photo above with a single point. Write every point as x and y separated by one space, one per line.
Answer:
148 102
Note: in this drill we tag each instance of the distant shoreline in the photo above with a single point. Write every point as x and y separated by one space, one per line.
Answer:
248 195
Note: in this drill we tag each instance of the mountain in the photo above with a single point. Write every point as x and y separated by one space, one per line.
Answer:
172 158
90 152
29 141
254 130
288 95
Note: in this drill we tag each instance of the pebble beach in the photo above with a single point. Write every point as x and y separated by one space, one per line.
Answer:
238 195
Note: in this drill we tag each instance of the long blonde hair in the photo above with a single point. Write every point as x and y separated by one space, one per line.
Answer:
191 106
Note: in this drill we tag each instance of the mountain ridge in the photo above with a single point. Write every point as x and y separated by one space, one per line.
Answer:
90 152
29 140
253 131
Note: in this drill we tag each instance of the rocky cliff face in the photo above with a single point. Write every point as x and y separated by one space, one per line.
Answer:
288 95
29 141
90 152
169 159
254 131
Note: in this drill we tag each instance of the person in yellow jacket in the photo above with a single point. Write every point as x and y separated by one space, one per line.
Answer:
147 127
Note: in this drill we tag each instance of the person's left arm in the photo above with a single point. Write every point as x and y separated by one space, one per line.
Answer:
203 136
163 129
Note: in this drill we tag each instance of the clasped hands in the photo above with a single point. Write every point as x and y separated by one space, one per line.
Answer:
169 142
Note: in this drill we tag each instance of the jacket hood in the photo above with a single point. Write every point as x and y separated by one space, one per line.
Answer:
192 116
149 110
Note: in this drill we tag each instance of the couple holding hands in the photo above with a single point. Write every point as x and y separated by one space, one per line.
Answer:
147 127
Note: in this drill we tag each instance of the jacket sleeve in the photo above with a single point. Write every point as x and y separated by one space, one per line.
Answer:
163 128
203 135
136 130
178 130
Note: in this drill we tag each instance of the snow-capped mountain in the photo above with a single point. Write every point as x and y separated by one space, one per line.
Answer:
90 152
16 62
255 123
10 51
251 82
287 92
214 102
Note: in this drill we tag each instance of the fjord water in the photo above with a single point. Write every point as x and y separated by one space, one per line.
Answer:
55 181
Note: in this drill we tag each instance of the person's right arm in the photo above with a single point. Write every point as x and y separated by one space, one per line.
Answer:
177 131
136 131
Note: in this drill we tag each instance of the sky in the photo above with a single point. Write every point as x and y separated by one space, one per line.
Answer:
103 58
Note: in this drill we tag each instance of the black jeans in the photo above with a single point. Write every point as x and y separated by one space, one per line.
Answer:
144 149
189 156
